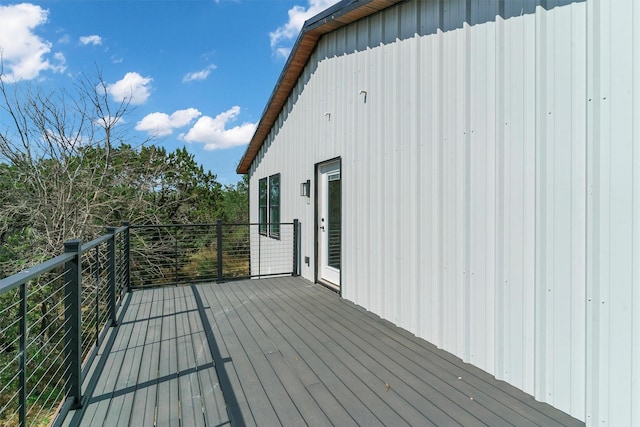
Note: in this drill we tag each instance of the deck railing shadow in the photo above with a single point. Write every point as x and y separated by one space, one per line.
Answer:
145 384
233 409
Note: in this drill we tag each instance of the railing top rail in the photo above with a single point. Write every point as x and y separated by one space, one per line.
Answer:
95 242
12 282
207 225
170 225
120 229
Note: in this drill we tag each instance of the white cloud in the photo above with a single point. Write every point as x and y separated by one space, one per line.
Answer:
215 135
199 75
162 124
133 87
23 52
297 17
92 39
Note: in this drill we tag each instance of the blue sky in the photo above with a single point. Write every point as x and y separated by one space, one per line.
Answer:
199 72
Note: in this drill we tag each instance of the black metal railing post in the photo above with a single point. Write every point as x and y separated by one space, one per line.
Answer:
127 257
23 356
73 319
219 248
96 277
175 248
295 272
111 268
259 253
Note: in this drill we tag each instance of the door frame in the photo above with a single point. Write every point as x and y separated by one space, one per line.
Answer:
316 223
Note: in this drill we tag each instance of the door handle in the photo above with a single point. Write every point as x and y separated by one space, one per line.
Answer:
322 227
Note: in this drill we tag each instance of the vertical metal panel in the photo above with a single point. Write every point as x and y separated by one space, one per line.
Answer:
560 210
490 185
515 289
452 66
635 297
429 207
482 180
613 306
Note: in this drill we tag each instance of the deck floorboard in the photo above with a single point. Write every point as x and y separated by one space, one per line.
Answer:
144 403
284 351
168 403
421 383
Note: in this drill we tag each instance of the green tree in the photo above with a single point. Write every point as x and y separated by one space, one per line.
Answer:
68 168
236 201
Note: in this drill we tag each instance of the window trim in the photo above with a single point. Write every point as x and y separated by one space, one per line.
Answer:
267 202
263 209
274 226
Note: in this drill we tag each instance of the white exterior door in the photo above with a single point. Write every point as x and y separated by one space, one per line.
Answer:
329 223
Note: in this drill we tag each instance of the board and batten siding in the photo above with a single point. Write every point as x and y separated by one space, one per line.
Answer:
491 193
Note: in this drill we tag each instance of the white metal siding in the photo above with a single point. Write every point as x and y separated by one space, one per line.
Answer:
560 208
613 238
490 185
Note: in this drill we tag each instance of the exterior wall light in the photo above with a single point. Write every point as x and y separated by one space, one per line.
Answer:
305 188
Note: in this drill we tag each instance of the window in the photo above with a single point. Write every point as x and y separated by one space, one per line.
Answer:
262 206
269 206
274 205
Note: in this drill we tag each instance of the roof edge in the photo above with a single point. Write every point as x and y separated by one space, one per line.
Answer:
336 16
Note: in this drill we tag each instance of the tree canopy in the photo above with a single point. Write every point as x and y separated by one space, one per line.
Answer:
69 167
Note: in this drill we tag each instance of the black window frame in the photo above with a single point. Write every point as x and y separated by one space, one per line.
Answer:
274 206
269 197
263 206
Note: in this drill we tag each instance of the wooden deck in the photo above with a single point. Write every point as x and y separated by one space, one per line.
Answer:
287 352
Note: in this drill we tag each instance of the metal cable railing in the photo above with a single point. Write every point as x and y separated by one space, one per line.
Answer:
52 319
178 253
54 316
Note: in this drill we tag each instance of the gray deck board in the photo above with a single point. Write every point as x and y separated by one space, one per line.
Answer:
302 358
421 387
168 404
188 387
100 402
503 399
122 397
144 402
283 351
286 373
361 379
297 374
212 399
235 400
366 367
374 408
254 372
292 406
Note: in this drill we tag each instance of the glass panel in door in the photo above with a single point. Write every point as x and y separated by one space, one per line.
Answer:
330 224
333 221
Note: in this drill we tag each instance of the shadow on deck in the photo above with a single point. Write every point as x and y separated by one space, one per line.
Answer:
284 351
